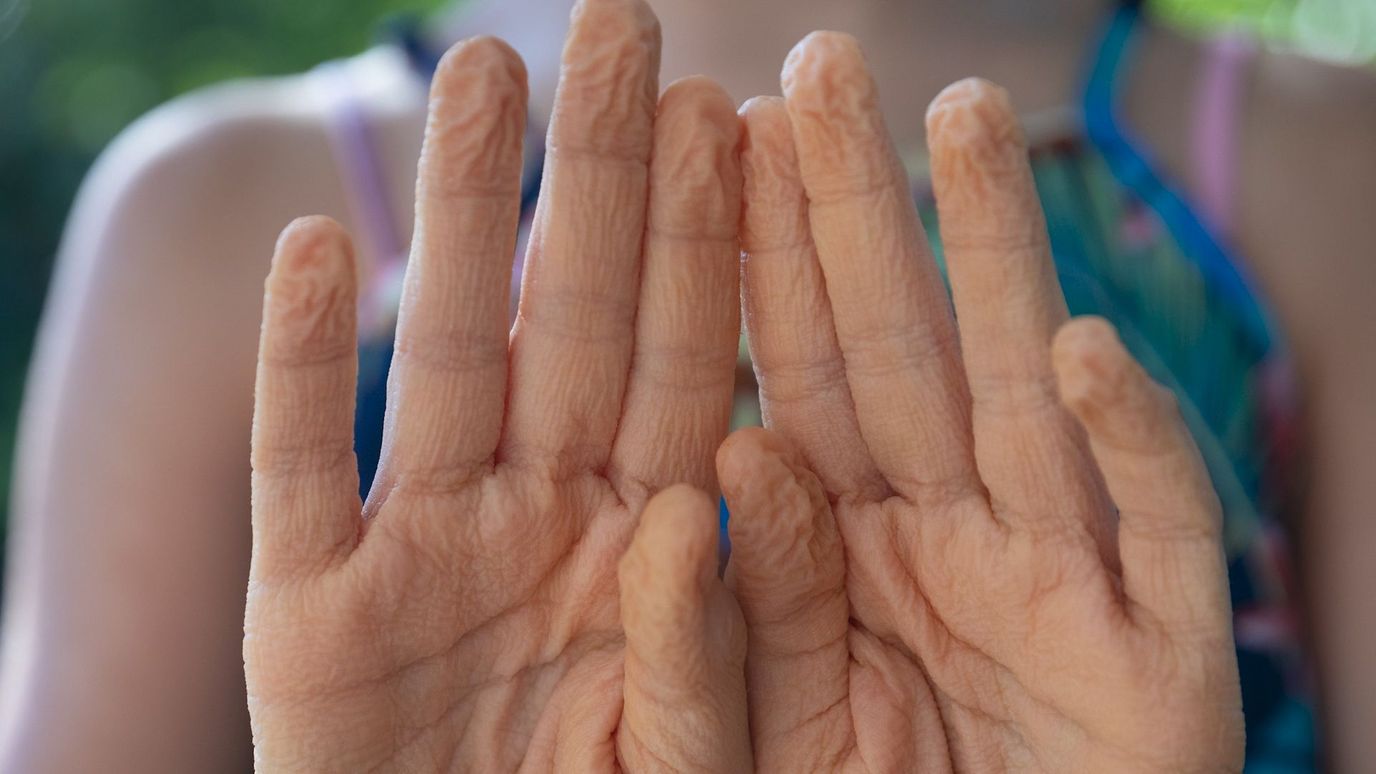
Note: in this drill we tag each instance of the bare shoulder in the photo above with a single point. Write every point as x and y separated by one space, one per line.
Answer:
228 159
159 278
180 213
182 166
173 226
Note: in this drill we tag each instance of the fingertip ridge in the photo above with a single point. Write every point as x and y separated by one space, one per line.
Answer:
465 56
821 56
313 241
704 98
971 112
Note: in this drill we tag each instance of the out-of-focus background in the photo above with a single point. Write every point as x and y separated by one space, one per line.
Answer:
73 73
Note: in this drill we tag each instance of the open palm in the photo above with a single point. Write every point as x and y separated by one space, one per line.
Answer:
954 588
468 615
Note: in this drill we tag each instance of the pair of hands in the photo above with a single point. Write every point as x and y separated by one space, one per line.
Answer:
928 570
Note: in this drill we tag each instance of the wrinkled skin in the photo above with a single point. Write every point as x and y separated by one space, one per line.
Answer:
932 569
501 601
979 550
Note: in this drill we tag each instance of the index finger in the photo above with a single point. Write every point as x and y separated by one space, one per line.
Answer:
893 319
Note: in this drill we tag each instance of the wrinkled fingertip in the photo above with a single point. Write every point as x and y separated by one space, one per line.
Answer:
1107 389
616 19
702 96
822 57
313 244
1088 358
774 201
1085 335
973 115
838 127
676 538
764 107
743 453
309 308
608 81
767 486
678 502
482 57
695 168
826 80
983 103
767 136
696 112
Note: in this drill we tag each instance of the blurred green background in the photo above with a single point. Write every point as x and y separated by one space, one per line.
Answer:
73 73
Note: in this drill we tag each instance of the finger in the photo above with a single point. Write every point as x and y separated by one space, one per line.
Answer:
798 363
892 316
305 479
1032 454
687 329
448 378
571 345
685 644
787 571
1170 522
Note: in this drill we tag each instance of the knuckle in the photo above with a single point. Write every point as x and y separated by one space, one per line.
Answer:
450 352
883 348
786 382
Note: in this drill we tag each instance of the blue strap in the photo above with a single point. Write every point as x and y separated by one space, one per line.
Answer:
1134 170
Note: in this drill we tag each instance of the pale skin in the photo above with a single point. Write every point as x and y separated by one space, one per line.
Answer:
470 615
932 569
964 608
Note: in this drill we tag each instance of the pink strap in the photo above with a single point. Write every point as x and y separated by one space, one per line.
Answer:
1217 108
354 146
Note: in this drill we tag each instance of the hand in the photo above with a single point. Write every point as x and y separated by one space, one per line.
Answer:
953 589
469 616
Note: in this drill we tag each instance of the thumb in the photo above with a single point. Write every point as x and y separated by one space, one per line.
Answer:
788 570
685 644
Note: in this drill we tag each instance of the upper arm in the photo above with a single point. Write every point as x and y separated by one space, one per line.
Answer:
148 339
131 528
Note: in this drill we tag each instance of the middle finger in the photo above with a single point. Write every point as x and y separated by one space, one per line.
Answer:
571 345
